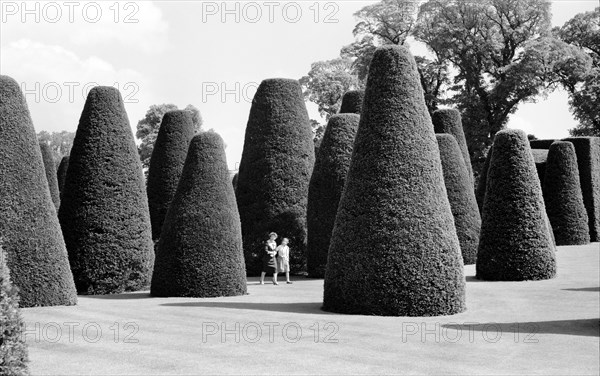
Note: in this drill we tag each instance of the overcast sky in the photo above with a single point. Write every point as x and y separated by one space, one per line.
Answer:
209 54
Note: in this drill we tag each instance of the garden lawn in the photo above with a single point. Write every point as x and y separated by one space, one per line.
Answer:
541 327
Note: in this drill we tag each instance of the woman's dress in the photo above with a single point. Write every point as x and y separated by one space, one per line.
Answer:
269 263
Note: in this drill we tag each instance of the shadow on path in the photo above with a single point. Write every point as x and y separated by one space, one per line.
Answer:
579 327
124 296
308 308
591 289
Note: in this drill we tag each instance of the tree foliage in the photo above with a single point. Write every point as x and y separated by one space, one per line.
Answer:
147 128
326 83
13 349
60 142
583 31
503 54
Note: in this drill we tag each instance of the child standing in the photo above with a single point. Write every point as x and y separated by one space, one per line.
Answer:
283 259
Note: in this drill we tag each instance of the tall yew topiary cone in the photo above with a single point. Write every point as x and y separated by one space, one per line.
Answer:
448 120
461 196
326 186
61 174
29 228
50 169
13 349
104 210
234 181
563 197
394 249
275 170
352 102
539 158
200 251
481 184
515 242
166 163
588 161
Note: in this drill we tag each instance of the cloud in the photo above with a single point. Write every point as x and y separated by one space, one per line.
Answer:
135 25
56 82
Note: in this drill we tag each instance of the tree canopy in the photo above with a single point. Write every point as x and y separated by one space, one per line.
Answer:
485 58
583 86
147 128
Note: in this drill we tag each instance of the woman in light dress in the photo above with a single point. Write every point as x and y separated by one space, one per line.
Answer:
283 259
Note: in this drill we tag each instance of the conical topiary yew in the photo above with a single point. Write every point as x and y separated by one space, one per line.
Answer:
104 209
461 196
166 163
352 102
563 197
588 162
448 120
200 250
326 186
394 249
61 174
50 169
539 158
234 181
515 242
13 349
29 228
481 184
275 170
541 144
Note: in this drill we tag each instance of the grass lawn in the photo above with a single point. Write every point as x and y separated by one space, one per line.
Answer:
545 327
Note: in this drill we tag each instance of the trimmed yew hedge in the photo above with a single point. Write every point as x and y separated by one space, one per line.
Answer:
539 158
481 184
13 349
352 102
515 242
104 211
588 162
200 251
30 231
541 144
394 249
448 120
61 174
166 163
459 186
326 186
50 169
563 197
277 161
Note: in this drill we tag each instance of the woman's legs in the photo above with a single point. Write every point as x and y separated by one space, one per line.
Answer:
275 278
262 278
287 277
